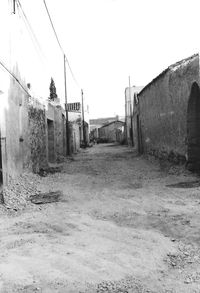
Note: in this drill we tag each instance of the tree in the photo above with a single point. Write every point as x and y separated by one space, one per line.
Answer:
52 89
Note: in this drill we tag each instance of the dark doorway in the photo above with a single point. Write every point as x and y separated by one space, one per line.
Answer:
193 129
51 147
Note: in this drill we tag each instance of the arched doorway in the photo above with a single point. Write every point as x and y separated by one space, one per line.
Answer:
193 129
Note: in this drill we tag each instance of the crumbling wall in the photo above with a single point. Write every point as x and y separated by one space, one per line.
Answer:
37 138
163 111
59 136
22 130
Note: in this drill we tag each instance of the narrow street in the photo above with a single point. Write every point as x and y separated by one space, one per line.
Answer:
117 228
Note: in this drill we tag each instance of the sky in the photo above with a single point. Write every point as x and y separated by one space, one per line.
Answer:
105 41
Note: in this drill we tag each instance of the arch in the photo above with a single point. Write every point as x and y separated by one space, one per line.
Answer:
193 129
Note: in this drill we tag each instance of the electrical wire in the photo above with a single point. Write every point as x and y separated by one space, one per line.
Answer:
52 25
53 28
31 32
17 80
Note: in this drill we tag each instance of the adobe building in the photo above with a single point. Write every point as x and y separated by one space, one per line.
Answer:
166 114
112 132
96 124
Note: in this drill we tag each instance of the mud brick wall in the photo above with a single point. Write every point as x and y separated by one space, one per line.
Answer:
37 138
163 111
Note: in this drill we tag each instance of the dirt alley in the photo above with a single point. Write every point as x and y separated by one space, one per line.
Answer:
118 228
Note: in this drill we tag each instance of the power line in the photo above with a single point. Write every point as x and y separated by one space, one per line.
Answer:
52 25
31 31
17 80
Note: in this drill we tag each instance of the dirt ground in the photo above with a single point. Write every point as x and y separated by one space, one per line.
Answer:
119 227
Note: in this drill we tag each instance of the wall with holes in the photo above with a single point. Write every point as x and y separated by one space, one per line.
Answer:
162 111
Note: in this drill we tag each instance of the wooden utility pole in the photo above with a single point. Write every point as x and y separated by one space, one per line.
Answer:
66 111
126 132
14 6
83 121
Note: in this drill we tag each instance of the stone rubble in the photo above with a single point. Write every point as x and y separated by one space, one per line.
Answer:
186 255
18 191
126 285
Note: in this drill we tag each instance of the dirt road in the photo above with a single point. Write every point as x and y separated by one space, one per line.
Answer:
118 228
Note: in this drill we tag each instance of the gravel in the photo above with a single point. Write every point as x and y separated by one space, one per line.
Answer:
19 190
126 285
186 255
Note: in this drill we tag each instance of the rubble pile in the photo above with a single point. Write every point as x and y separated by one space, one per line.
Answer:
122 286
19 190
186 255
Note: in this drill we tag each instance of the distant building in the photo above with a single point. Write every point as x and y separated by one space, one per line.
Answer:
112 132
95 124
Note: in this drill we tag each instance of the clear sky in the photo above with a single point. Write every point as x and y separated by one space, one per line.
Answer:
108 40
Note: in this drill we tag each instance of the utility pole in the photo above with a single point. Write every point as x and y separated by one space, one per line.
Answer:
14 6
66 111
126 132
83 121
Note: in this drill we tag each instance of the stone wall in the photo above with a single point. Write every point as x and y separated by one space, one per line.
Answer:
23 132
162 111
37 138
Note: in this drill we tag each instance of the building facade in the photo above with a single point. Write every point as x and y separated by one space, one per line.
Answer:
32 129
166 115
112 132
96 124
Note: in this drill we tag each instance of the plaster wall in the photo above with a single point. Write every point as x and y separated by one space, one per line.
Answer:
162 110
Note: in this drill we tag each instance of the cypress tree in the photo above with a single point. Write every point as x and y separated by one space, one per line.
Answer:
52 89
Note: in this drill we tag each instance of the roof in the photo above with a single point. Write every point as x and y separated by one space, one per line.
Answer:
112 123
101 121
134 89
171 67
